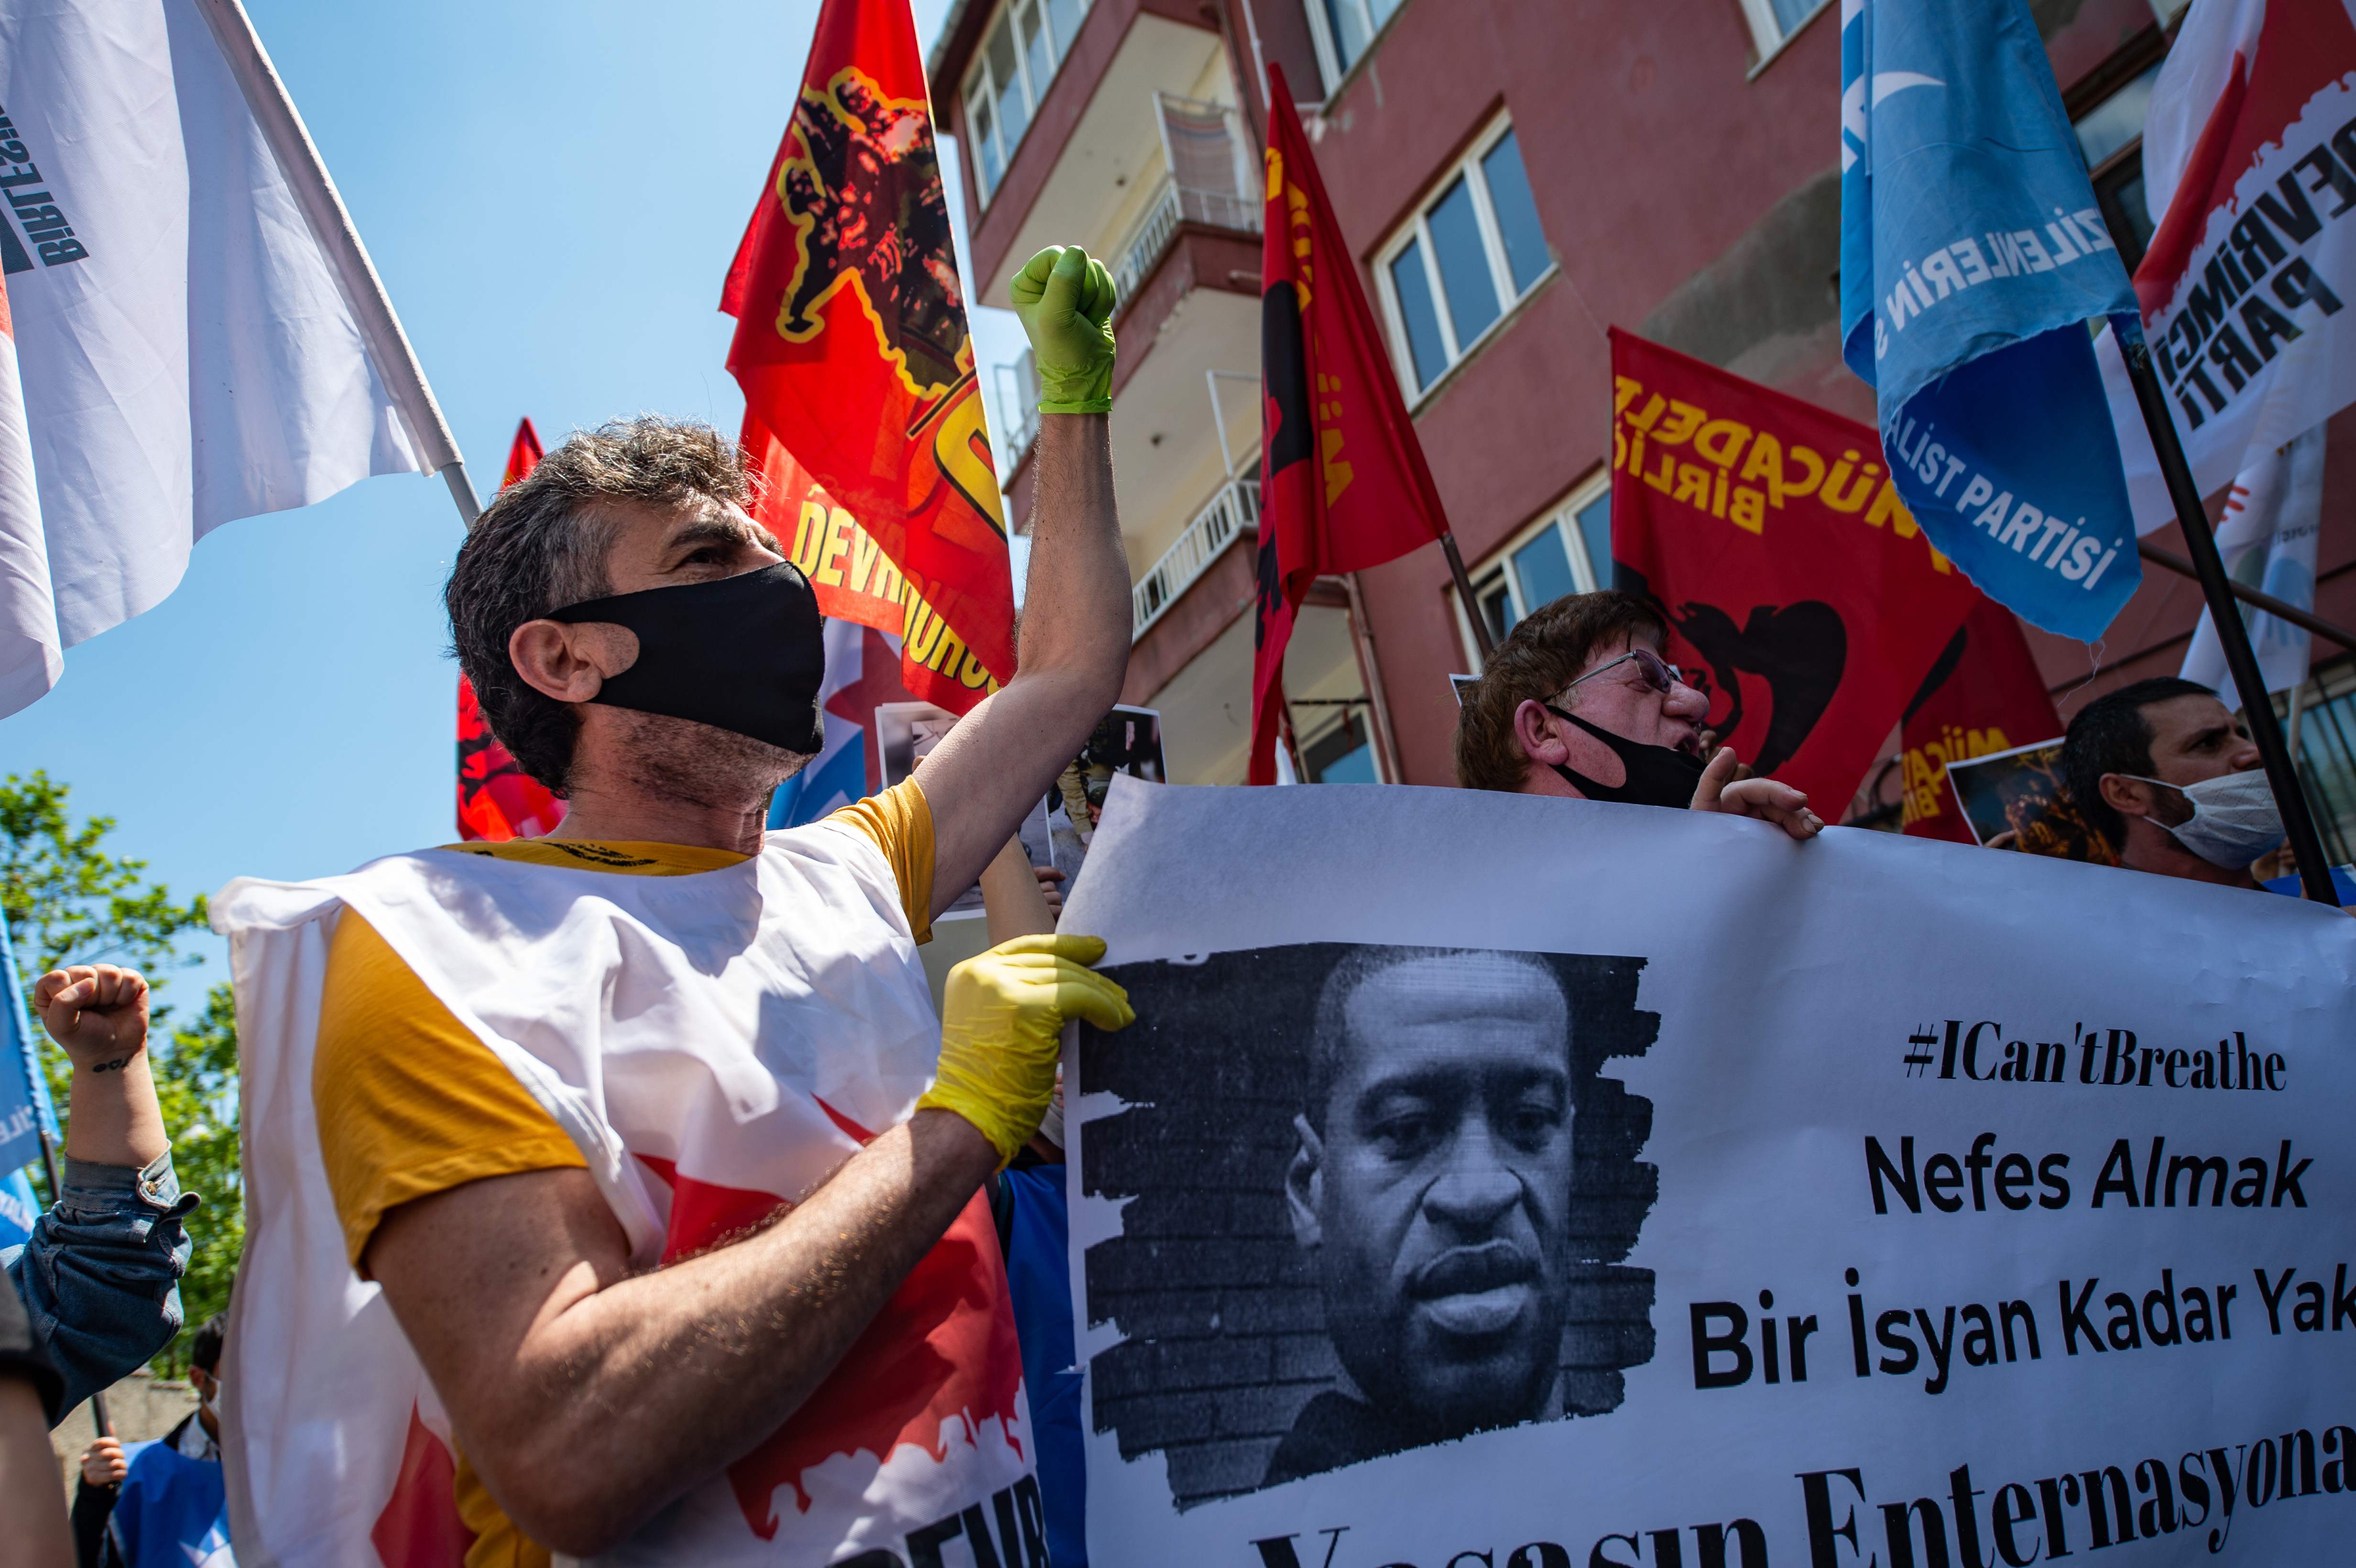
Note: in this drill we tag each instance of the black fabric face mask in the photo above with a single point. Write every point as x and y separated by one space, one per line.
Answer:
743 654
1657 775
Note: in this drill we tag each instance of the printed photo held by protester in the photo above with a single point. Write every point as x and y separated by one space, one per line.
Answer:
2170 778
100 1275
159 1504
1578 702
1397 1214
647 1132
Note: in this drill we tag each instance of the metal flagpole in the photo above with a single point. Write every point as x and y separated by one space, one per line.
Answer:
331 225
2257 599
2233 636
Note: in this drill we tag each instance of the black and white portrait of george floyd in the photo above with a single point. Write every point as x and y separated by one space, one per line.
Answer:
1372 1199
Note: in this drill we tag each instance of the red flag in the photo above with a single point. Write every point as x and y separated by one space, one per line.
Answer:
852 576
850 331
1342 480
1795 583
1983 696
496 799
523 454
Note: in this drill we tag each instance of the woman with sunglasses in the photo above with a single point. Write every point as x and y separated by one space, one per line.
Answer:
1578 702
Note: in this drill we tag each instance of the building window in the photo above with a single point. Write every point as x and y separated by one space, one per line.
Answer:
1343 29
2327 753
1569 550
1339 749
1774 22
1454 270
1010 79
2110 136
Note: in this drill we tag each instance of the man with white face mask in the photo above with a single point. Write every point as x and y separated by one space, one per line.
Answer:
2171 778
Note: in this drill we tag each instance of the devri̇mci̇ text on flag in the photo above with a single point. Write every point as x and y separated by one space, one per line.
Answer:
202 335
1971 258
1342 480
1798 593
2249 167
496 799
851 344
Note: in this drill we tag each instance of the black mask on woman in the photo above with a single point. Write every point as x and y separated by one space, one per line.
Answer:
743 654
1657 775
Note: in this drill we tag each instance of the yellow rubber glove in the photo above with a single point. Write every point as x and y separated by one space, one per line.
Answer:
1002 1016
1065 301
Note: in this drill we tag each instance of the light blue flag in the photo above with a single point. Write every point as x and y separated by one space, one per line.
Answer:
25 1109
1972 257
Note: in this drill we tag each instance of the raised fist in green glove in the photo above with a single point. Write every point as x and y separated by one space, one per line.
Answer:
1065 303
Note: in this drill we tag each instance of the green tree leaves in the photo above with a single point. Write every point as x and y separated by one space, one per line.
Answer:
68 901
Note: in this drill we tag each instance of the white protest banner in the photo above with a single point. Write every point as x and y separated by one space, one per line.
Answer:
1533 1183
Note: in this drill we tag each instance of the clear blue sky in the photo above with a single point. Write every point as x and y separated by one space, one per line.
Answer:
552 191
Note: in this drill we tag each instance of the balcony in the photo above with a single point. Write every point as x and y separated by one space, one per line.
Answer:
1205 178
1233 511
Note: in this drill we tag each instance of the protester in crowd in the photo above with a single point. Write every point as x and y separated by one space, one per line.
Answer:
32 1533
643 647
2168 774
1431 1194
1576 702
159 1504
100 1275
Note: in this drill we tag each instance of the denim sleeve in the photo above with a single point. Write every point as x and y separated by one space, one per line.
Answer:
101 1274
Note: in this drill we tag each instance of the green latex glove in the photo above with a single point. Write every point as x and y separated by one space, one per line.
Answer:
1003 1018
1065 303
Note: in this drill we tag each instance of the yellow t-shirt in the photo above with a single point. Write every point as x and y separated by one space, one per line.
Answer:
410 1104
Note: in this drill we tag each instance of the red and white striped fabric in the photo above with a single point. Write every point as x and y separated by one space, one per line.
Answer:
712 1043
31 653
2249 160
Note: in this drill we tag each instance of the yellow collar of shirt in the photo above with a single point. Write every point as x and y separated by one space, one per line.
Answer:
630 860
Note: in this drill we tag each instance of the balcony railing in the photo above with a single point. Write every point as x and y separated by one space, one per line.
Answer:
1205 178
1234 510
1017 405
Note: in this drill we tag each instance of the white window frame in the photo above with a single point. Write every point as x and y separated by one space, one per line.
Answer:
1498 564
1767 34
1417 230
980 84
1330 63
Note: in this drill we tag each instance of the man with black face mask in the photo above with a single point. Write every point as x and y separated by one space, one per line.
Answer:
1578 702
622 1188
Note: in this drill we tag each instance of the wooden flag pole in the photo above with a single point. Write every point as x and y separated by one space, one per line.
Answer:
2257 599
2233 636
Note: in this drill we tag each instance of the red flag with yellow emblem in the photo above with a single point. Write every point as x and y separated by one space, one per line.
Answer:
851 344
1985 694
1342 480
496 799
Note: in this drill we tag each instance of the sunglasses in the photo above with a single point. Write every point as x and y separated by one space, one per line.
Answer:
1658 673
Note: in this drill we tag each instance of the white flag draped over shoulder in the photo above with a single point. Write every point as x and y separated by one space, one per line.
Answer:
188 355
2250 171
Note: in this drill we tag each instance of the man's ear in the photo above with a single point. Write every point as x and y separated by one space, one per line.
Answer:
202 1382
570 661
1534 730
1304 1187
2128 797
